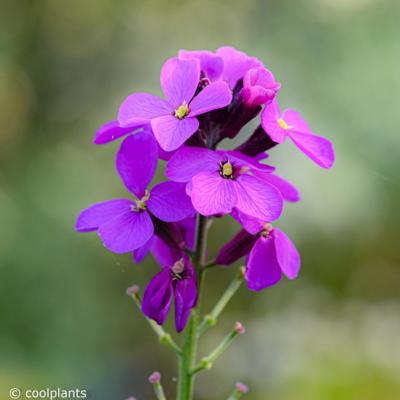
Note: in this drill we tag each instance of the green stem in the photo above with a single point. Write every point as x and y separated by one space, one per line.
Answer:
211 318
163 337
207 362
188 359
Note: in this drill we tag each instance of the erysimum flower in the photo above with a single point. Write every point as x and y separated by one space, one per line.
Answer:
177 279
278 126
124 224
174 120
220 181
268 250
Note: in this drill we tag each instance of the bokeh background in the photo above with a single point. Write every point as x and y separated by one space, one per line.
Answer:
65 319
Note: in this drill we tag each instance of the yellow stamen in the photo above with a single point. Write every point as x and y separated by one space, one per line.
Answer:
141 203
267 229
283 124
227 170
182 111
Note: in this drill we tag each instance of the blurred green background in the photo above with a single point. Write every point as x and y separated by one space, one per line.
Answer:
65 319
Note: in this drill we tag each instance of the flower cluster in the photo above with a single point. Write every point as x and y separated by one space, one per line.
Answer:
207 97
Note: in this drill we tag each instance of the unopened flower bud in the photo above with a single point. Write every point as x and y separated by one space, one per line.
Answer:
155 377
241 387
132 290
239 328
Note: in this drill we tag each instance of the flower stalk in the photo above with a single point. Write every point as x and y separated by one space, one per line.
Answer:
208 361
163 337
155 380
212 318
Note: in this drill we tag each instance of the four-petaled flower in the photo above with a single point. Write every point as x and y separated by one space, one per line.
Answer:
177 279
123 224
290 123
174 120
268 250
220 181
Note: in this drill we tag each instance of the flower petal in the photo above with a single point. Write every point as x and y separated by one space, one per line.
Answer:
262 268
140 253
287 254
236 64
250 224
136 162
140 108
158 296
210 64
239 246
126 232
258 199
287 190
179 80
189 161
97 214
172 132
164 254
169 202
111 131
212 194
294 120
319 149
185 292
214 96
269 122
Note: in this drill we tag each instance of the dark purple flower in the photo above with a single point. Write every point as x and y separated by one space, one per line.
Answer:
269 251
174 120
220 181
278 126
176 279
123 224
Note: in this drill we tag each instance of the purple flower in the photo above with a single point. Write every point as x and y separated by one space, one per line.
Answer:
176 279
270 253
123 224
290 123
174 120
259 87
220 181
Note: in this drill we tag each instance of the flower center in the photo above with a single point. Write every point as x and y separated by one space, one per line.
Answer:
267 230
283 124
182 111
177 269
140 204
226 170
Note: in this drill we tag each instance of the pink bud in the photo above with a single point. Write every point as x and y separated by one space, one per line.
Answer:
155 377
239 328
132 290
241 387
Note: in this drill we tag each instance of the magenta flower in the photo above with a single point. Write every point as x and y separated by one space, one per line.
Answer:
220 181
174 120
177 279
259 87
268 250
123 224
278 126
